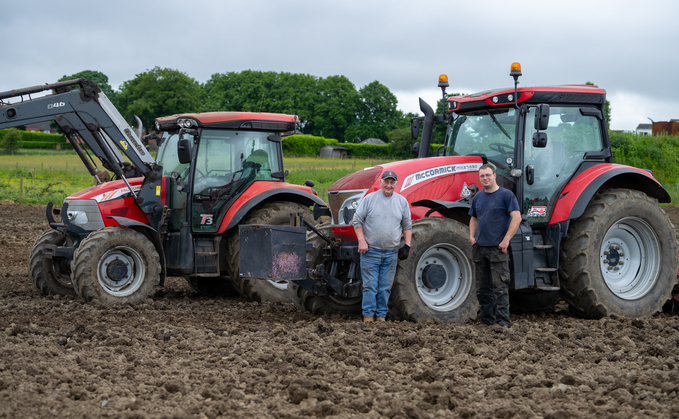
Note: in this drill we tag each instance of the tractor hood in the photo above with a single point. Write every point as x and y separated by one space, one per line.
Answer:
109 191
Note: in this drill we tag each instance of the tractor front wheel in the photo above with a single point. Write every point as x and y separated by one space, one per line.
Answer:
50 276
437 280
619 257
116 265
274 213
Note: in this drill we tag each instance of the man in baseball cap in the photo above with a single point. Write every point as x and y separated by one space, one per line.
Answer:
380 220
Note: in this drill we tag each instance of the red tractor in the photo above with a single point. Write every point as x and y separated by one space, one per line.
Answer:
592 233
176 215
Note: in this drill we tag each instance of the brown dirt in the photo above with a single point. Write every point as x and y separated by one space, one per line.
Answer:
179 355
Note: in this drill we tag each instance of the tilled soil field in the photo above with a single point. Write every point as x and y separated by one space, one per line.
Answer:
179 355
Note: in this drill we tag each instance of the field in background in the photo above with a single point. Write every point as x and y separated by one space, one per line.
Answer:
52 177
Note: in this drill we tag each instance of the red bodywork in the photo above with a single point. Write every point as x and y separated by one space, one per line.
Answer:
115 199
525 93
257 189
437 178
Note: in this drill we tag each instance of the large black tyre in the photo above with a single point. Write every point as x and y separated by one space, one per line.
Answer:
437 280
219 286
50 276
115 265
273 213
620 257
317 304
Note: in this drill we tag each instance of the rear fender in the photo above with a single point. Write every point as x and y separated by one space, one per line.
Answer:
246 203
577 194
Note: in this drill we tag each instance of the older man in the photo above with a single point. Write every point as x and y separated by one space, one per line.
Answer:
380 219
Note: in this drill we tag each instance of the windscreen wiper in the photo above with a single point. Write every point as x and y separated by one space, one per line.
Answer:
498 124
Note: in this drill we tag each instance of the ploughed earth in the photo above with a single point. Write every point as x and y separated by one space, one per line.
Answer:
178 355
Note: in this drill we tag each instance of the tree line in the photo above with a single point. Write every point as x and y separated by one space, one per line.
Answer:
330 107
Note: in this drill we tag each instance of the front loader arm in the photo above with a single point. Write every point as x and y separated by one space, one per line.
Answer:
87 114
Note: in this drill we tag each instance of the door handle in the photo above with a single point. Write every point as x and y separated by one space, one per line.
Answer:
530 174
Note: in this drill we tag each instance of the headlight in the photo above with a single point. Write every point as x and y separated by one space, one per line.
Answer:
77 217
348 209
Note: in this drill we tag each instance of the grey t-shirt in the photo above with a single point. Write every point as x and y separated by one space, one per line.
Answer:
383 219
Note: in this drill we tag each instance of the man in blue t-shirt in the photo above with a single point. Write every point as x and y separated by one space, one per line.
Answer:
495 218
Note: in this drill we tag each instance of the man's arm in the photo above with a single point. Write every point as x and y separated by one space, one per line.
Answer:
473 223
408 235
362 244
513 226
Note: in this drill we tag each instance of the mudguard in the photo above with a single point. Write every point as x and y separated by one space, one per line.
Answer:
260 192
457 210
577 194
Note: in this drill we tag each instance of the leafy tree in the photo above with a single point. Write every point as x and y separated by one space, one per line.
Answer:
377 111
12 140
334 109
400 141
159 92
607 109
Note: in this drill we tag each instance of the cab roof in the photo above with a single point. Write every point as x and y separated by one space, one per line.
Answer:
566 93
232 120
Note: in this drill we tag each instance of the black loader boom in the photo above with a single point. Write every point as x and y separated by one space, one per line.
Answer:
87 115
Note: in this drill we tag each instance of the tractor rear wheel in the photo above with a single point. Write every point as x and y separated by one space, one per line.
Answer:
321 304
220 286
274 213
619 257
50 276
437 280
115 265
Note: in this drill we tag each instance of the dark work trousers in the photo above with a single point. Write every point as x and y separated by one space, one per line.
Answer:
491 268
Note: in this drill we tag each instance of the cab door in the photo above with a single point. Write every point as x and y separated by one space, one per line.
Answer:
572 132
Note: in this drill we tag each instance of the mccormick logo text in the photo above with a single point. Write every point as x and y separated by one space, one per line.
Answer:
537 212
116 193
448 169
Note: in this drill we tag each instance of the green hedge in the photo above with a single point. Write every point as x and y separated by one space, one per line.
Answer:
659 153
305 145
39 137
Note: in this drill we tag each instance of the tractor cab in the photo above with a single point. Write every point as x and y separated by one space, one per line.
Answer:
536 148
212 167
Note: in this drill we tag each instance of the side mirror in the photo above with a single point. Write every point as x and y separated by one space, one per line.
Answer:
542 117
415 149
276 138
415 128
540 140
184 151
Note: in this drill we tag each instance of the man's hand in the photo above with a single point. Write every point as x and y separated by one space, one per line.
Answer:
472 240
362 246
504 245
403 252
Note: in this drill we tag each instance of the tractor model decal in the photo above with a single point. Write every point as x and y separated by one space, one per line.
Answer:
206 219
448 169
536 212
116 194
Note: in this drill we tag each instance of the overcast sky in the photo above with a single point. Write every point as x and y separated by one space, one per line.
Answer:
628 48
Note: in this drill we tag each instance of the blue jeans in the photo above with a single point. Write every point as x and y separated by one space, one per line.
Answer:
378 268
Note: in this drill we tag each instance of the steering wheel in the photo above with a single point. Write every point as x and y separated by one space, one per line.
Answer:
501 148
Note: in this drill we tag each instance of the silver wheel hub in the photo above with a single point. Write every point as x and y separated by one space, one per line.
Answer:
281 285
630 258
121 271
444 277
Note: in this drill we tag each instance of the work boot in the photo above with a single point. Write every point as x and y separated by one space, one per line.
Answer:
368 319
381 319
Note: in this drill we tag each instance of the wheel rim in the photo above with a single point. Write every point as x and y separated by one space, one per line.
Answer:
62 272
630 258
456 281
121 271
281 285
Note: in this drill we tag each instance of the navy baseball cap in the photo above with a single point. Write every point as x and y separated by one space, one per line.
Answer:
389 174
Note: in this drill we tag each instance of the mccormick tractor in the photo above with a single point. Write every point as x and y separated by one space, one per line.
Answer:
173 216
592 233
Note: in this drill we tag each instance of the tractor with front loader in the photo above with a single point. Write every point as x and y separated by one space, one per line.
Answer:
592 232
176 215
